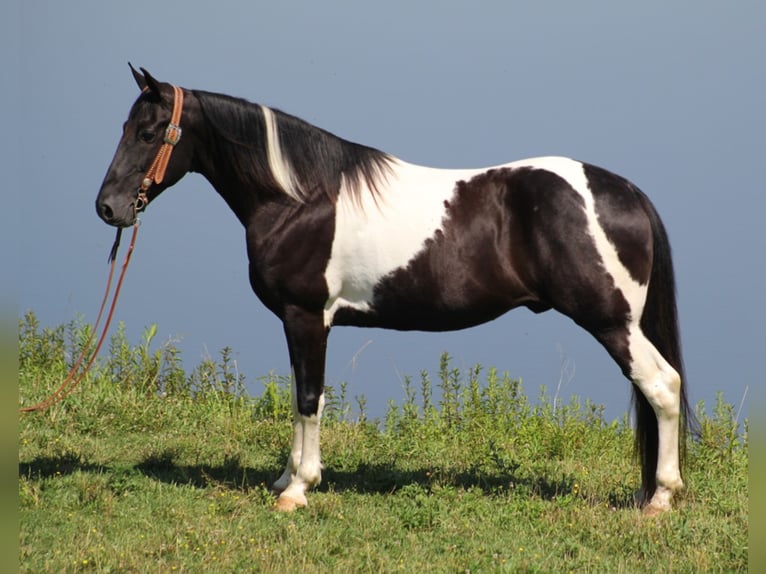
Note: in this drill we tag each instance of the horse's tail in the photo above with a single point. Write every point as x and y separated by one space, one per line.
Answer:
659 323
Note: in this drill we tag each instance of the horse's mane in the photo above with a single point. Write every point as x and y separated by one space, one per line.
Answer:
303 161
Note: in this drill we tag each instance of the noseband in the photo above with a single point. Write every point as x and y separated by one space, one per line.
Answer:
156 172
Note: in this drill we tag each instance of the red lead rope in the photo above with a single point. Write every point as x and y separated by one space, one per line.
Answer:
73 379
155 174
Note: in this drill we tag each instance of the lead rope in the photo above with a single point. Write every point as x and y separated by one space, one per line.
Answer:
155 174
73 379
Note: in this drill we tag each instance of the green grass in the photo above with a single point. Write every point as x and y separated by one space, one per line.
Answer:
146 468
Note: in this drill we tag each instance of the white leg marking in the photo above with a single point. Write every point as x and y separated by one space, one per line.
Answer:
309 471
661 385
294 458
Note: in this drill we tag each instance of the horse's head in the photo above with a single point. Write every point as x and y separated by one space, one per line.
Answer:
139 171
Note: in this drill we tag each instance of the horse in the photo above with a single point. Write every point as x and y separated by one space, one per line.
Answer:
338 233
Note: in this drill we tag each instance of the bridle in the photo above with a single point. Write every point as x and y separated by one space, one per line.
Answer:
155 174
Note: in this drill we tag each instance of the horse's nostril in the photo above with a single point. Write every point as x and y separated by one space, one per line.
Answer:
106 212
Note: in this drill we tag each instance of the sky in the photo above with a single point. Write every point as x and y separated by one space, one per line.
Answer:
667 94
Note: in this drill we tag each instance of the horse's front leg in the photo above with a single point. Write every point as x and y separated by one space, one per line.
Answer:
294 458
307 343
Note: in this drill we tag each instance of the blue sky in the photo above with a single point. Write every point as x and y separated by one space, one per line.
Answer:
669 95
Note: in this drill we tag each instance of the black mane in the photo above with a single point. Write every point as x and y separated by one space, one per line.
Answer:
319 160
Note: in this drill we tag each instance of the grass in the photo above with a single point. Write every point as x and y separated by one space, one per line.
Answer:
148 468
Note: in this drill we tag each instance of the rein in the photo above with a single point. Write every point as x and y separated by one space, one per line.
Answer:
155 174
72 379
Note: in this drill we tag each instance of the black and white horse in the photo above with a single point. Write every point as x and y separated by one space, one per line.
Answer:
343 234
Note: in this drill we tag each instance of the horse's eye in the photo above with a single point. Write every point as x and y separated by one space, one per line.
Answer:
146 136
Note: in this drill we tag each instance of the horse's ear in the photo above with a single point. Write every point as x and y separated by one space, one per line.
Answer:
140 80
152 84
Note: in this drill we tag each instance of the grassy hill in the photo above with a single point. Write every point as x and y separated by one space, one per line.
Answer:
147 468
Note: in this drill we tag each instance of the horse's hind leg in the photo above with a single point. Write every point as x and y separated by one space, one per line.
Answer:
660 383
657 428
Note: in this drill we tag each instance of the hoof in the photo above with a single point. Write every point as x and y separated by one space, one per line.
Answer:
287 504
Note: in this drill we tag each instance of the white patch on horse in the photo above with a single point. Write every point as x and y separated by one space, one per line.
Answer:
380 233
574 173
280 167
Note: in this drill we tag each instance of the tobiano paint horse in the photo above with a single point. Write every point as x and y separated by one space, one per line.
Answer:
342 234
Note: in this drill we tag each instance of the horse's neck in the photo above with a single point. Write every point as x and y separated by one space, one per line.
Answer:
233 192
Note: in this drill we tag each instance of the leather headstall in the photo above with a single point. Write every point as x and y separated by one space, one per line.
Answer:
156 172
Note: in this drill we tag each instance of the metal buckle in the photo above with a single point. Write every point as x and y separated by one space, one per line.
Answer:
173 134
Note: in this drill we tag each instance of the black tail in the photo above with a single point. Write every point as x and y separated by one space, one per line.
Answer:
659 323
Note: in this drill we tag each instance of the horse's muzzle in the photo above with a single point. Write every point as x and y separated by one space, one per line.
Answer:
124 216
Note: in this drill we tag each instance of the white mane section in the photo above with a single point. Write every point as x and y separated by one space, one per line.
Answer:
280 167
